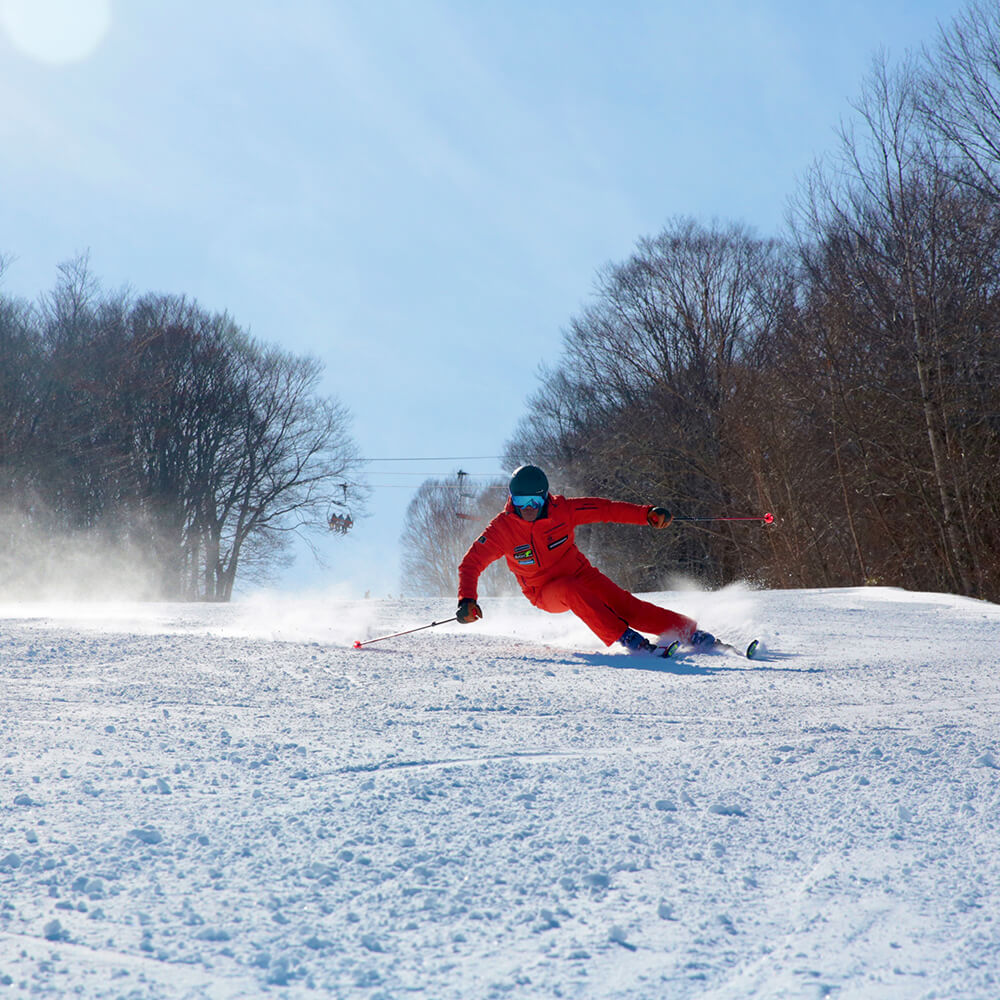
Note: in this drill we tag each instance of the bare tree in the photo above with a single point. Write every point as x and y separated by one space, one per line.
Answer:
287 466
897 241
440 528
238 451
960 94
20 364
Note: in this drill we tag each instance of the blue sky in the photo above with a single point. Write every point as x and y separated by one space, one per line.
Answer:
419 193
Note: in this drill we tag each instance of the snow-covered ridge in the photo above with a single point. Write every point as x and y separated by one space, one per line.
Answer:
229 801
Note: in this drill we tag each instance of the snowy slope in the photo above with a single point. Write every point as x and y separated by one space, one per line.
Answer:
230 802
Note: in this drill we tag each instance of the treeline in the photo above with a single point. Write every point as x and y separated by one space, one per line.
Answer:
146 437
845 376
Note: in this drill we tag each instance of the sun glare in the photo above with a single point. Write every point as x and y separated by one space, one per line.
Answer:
56 31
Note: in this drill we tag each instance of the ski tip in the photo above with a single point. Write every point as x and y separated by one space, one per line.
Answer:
671 649
357 643
752 649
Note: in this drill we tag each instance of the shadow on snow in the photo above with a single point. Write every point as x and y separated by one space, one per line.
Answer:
688 666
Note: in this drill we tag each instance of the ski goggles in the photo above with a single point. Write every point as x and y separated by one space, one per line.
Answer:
533 501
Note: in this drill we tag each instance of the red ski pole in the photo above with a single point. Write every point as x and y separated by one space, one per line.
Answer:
358 643
766 518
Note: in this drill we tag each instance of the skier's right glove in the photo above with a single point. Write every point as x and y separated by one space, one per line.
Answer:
659 517
468 611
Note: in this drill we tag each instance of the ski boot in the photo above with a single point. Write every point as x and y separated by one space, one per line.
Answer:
636 643
701 640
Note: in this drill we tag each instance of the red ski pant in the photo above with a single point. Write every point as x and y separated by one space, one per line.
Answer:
607 609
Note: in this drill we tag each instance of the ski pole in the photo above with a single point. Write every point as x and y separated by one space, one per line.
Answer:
767 518
358 643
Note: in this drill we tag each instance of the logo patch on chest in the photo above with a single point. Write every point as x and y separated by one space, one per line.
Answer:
524 555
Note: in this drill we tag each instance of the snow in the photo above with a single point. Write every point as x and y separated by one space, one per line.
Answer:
229 801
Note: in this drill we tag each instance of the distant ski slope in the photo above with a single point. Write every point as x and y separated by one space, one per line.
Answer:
204 801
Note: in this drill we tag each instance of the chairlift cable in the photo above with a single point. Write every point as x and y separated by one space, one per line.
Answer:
452 458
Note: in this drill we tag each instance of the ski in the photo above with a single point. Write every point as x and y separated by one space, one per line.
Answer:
722 647
748 652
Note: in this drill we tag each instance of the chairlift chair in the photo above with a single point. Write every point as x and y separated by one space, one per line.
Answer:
341 521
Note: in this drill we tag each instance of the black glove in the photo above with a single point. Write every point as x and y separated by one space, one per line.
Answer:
659 517
468 611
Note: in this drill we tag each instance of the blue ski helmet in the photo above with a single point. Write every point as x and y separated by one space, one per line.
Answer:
529 481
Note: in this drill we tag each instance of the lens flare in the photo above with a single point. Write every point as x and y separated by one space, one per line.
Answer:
56 32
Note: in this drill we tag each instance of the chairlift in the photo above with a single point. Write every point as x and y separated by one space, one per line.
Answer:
341 521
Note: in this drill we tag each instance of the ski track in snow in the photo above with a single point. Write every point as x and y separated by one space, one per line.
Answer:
229 801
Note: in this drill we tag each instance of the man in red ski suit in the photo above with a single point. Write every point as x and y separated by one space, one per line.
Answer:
534 533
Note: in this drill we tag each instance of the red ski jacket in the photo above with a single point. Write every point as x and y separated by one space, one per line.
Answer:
542 550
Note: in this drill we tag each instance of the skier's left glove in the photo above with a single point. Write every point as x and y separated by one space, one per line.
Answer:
659 517
468 611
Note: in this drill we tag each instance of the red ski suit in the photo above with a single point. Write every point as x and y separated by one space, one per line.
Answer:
556 576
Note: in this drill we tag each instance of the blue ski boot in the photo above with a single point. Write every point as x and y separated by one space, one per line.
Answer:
701 640
636 643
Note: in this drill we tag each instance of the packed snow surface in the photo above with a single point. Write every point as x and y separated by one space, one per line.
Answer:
230 801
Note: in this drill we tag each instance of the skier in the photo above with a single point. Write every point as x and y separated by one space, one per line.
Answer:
534 532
